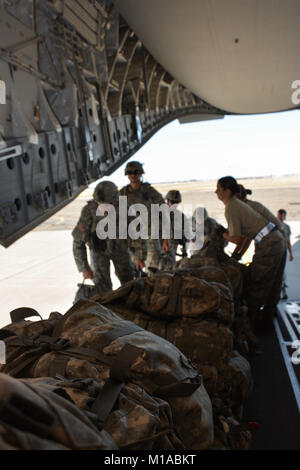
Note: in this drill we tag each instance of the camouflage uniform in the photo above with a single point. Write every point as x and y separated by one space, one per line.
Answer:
203 228
266 269
101 251
173 198
265 276
174 242
140 249
265 212
286 230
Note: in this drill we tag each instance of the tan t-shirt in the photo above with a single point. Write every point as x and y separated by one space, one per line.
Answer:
286 231
242 219
265 212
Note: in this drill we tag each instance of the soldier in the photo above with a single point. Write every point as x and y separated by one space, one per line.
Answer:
281 216
143 253
258 207
101 251
173 198
203 225
266 269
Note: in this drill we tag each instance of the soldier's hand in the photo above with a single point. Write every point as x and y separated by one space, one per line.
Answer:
88 274
139 264
165 245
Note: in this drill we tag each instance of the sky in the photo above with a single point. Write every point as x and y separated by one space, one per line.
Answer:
241 146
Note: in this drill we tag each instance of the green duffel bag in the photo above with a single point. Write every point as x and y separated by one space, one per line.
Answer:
92 341
37 415
167 296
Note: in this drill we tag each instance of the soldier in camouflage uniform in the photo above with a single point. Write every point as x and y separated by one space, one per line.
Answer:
101 251
266 269
281 216
173 198
203 225
143 252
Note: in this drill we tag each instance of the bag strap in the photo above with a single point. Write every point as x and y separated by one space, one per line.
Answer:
172 306
179 389
108 396
20 314
178 383
38 345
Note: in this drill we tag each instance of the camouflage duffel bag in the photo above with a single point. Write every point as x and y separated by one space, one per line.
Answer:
197 261
37 415
209 273
169 296
91 341
232 269
208 344
239 377
235 273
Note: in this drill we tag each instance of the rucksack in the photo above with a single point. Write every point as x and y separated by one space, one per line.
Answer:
92 341
38 414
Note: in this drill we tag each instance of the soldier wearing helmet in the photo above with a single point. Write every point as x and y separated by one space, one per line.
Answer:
101 251
143 253
173 198
203 226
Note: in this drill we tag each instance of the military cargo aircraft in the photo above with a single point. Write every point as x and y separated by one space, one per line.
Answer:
85 83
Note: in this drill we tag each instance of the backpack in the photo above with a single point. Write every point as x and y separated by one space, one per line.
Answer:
92 341
38 414
206 339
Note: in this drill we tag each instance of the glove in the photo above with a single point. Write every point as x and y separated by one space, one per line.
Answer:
220 230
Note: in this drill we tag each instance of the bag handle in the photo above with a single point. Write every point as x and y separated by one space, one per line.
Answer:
21 313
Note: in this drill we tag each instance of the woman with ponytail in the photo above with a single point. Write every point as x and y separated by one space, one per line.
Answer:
266 269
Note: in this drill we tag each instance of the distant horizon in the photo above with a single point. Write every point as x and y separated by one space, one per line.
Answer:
244 146
208 180
289 175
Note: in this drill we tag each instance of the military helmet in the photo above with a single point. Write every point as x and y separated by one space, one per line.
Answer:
134 166
106 192
174 196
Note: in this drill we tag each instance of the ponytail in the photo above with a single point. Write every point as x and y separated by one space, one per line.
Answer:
228 182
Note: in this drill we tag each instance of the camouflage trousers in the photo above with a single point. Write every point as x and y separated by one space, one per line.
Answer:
137 249
100 263
265 278
173 245
153 254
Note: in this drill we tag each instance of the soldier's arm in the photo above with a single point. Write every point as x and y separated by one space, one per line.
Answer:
242 244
